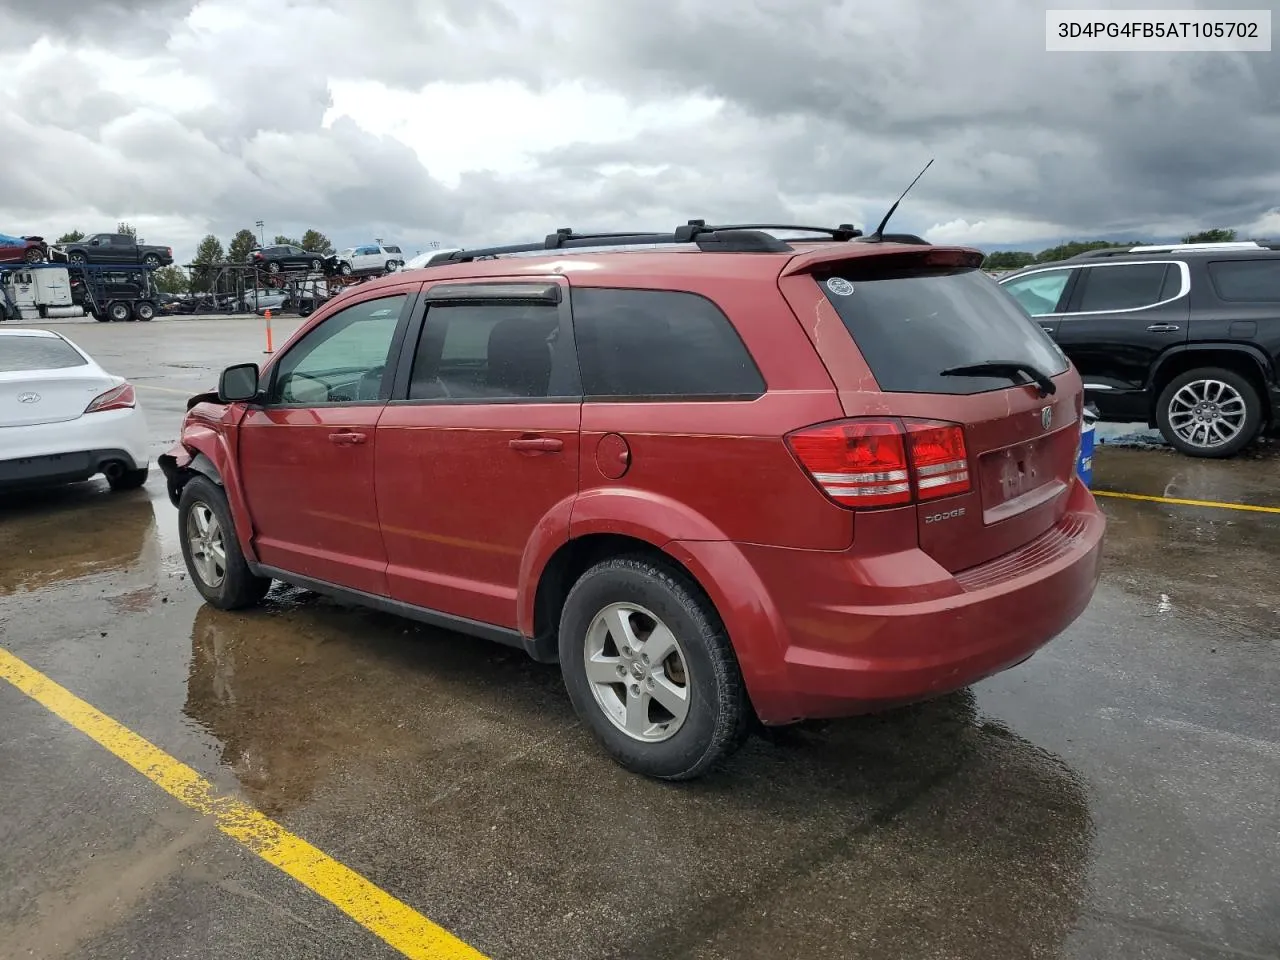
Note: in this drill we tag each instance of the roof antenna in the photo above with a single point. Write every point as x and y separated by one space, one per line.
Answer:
878 236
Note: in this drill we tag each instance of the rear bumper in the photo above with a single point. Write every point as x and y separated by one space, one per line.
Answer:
833 642
73 450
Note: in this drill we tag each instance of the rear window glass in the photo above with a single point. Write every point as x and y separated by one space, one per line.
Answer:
37 353
911 322
636 344
1247 280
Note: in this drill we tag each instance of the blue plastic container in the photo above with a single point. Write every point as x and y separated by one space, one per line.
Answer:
1084 466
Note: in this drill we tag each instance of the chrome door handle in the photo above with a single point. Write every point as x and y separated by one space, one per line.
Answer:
347 438
537 444
1163 328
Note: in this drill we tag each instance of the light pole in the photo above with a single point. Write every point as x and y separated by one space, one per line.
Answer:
262 237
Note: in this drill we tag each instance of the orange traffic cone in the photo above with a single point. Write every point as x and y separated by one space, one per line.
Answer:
270 348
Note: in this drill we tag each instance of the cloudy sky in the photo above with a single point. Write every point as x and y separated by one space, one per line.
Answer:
466 121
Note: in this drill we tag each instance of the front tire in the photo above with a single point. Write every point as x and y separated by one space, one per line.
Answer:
650 670
33 255
345 269
151 260
1210 412
316 266
211 550
273 267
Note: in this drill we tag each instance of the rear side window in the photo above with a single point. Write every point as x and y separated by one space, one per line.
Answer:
1039 293
491 352
1126 286
911 322
391 249
37 353
1256 281
638 344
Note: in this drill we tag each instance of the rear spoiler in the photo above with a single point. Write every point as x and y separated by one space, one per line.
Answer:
890 253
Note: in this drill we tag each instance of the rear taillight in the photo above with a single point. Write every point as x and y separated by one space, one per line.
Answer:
884 463
939 457
858 463
117 398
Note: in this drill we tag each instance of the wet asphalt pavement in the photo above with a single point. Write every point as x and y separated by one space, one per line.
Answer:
1118 795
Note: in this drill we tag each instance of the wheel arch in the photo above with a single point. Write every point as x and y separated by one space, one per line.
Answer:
203 452
540 618
1244 359
754 625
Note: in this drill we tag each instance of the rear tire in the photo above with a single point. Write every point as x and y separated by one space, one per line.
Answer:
640 596
119 312
129 480
214 562
33 255
145 310
151 260
1198 406
391 266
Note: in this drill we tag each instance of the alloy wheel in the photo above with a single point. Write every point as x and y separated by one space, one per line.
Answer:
637 672
208 544
1207 413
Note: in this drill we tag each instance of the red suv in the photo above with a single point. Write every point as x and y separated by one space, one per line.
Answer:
714 474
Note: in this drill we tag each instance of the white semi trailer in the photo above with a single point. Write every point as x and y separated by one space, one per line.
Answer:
37 292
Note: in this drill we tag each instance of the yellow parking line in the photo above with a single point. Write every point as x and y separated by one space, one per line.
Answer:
377 911
1187 503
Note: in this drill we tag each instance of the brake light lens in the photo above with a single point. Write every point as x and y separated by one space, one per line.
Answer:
857 463
117 398
939 457
884 463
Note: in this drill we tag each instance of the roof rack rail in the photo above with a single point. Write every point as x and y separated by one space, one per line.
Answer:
710 239
1104 252
1224 246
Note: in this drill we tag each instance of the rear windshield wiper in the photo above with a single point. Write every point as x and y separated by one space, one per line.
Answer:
1018 371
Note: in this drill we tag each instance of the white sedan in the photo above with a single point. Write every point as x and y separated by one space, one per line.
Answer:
63 418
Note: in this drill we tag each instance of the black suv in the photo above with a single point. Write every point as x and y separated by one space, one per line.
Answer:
1185 337
286 257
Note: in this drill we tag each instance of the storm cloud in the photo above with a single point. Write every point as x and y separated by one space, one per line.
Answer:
482 120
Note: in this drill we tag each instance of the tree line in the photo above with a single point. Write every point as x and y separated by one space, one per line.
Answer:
1017 259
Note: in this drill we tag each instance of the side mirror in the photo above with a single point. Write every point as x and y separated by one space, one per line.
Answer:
238 383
